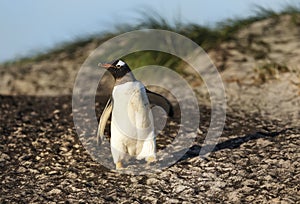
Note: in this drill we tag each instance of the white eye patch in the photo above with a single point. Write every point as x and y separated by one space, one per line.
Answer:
120 63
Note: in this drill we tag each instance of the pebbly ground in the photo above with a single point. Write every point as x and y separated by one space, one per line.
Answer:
43 161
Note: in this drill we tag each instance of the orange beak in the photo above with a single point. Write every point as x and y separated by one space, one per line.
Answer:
105 65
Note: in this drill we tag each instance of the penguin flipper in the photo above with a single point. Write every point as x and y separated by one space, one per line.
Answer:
159 100
103 120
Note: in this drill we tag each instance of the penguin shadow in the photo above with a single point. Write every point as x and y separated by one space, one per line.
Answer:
233 143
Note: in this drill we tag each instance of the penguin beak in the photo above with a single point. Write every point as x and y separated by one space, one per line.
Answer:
105 65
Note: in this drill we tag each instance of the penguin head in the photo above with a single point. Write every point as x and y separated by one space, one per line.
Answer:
118 68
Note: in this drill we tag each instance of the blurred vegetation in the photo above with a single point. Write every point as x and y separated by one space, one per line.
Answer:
208 37
270 70
152 58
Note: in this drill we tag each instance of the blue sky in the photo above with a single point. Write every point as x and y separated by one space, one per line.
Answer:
29 26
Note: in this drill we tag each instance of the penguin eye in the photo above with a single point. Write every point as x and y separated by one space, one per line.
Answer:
120 64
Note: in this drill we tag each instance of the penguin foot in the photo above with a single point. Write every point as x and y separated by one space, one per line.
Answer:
119 165
151 159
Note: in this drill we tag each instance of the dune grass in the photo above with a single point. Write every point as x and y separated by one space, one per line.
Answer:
206 36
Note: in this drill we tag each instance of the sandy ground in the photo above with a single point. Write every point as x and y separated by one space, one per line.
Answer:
43 161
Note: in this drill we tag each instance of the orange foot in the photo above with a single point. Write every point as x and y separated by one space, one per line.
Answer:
151 159
119 165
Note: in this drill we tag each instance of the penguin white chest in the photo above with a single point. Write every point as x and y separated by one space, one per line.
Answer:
132 130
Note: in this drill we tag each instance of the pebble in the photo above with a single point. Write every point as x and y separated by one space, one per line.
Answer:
52 172
21 169
4 157
54 191
172 200
152 181
180 188
71 175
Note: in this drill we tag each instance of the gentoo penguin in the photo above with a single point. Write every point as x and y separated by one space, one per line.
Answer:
132 128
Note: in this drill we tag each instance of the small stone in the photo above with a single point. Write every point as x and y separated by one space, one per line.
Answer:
247 189
268 177
76 146
134 179
4 157
72 175
152 181
54 191
56 111
74 189
21 169
234 196
64 149
180 188
249 182
52 172
172 200
152 199
200 132
34 171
